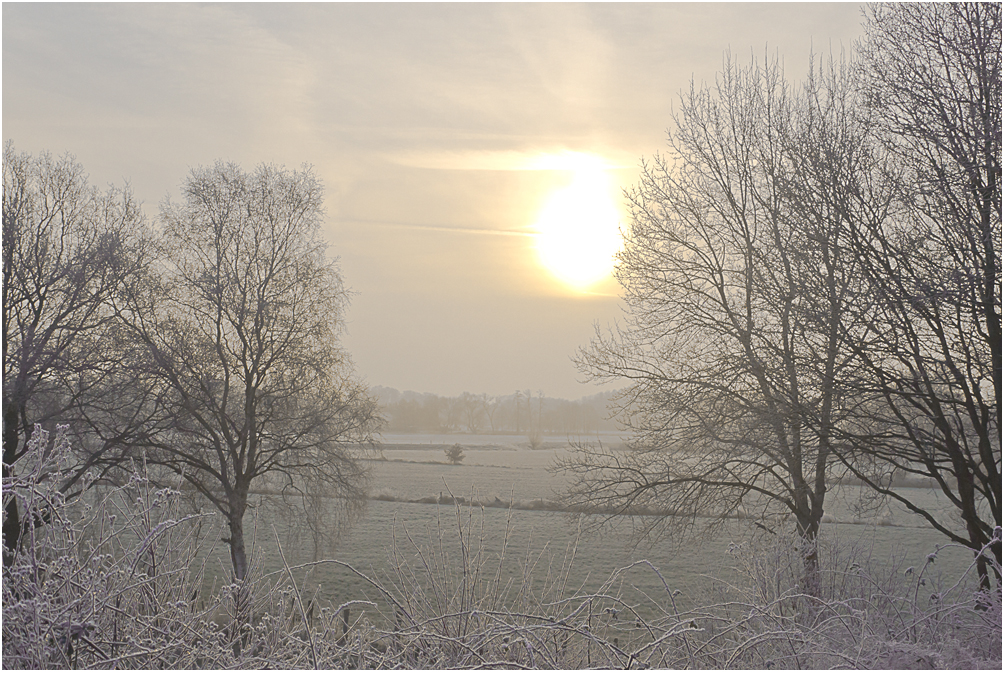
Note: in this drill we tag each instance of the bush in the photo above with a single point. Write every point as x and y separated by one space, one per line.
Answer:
451 608
871 614
109 581
455 454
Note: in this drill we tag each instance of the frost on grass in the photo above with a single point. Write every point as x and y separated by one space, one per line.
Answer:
109 581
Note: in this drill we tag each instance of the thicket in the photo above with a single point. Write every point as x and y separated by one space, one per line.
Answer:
109 582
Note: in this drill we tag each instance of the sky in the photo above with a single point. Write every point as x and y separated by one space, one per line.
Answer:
473 155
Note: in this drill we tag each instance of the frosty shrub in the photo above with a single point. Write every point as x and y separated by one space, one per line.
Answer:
871 613
101 581
114 580
454 605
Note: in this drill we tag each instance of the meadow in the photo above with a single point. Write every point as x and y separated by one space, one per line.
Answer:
417 498
132 578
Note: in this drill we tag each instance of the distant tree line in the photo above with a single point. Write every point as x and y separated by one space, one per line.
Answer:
813 287
522 412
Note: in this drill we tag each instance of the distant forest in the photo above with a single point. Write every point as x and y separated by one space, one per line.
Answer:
522 412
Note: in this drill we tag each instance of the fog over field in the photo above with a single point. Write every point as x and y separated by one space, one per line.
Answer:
502 336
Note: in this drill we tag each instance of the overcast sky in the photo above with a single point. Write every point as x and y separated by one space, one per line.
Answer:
441 133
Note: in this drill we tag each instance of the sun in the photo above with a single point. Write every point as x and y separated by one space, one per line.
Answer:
577 227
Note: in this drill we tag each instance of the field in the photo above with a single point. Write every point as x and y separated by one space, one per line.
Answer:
501 469
118 579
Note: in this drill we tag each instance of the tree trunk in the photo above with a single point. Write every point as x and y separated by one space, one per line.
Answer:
238 554
12 516
807 529
239 559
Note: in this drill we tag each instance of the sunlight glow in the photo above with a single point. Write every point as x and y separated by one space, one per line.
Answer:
577 228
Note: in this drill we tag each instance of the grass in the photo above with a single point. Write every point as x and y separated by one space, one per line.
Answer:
111 584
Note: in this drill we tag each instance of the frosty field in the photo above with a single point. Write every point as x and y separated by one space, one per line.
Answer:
498 470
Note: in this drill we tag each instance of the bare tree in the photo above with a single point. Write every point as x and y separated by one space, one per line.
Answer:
736 287
67 251
241 333
492 405
819 283
932 353
473 408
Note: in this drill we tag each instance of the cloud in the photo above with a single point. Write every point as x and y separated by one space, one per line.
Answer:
506 160
440 228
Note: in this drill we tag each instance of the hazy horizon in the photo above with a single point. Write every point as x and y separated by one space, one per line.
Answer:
449 139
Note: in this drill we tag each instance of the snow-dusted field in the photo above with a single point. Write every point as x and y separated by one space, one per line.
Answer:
503 468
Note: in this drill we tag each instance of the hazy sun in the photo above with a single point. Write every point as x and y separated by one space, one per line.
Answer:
577 229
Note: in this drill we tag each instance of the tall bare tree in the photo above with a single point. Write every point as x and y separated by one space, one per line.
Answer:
931 78
241 332
736 287
68 248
